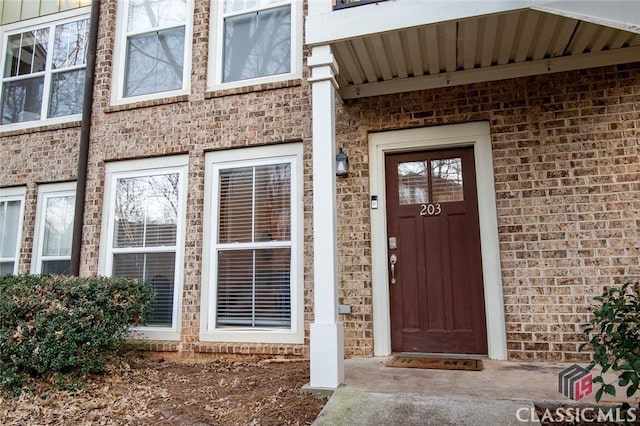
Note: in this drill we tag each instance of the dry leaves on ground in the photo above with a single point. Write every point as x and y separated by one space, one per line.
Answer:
139 391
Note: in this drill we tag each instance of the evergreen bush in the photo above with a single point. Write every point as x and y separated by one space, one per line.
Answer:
53 324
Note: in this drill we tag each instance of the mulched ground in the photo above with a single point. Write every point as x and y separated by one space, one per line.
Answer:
140 391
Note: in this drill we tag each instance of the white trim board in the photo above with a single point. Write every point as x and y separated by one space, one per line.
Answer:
450 136
493 73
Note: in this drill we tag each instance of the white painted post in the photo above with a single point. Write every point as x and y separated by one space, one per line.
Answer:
327 335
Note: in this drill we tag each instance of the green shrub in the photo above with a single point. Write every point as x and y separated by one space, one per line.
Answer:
614 336
54 324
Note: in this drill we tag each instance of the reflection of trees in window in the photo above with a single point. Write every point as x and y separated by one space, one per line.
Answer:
145 237
70 51
26 67
428 181
56 239
257 44
446 180
22 100
155 46
149 14
413 183
58 226
146 211
154 62
70 44
66 93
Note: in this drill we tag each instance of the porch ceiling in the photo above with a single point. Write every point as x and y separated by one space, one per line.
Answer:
484 48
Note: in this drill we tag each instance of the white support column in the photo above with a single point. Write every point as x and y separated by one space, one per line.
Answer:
327 335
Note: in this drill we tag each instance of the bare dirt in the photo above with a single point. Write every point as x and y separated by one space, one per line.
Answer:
144 391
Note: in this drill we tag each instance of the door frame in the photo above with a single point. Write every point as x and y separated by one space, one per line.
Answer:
477 135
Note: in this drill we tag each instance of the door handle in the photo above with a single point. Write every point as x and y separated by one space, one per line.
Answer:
392 260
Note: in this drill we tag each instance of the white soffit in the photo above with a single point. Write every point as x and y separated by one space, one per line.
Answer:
511 44
620 14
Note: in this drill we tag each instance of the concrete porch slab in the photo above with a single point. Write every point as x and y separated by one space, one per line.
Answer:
372 408
509 380
503 393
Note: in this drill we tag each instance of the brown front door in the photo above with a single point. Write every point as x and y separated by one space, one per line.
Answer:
435 268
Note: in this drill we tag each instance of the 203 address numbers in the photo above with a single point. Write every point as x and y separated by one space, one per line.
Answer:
430 209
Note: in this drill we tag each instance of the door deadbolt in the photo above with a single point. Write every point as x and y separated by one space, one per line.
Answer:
393 243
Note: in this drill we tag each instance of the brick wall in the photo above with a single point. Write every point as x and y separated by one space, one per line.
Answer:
566 152
29 158
196 123
566 156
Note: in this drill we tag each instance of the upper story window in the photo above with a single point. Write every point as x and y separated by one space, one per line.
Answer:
43 71
154 48
257 41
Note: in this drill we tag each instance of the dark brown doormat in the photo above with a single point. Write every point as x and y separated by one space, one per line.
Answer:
435 363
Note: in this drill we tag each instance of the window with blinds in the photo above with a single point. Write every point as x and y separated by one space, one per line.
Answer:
253 245
144 239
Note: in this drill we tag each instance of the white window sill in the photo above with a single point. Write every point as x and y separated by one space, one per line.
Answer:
254 82
154 333
252 336
150 97
30 125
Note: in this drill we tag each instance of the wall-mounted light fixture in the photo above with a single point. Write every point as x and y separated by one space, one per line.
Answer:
342 164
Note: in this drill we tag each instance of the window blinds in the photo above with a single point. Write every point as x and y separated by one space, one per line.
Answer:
254 246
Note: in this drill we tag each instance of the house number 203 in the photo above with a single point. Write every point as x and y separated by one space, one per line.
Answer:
430 209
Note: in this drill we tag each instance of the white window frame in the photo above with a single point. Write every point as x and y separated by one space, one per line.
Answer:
216 46
120 60
45 192
15 194
214 162
33 24
139 168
